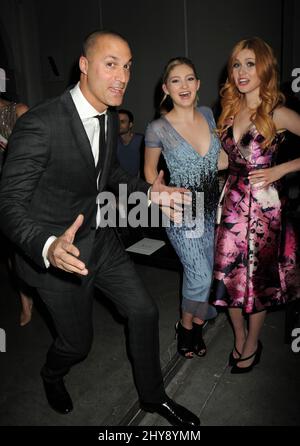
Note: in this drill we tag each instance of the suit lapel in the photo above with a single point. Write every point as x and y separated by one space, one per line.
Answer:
83 144
80 136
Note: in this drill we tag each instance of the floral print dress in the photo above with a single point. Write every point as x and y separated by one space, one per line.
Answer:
255 248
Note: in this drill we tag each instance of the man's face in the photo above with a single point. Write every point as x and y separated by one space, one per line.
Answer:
105 72
125 125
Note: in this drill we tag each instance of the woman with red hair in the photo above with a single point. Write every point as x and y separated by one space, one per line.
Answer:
255 260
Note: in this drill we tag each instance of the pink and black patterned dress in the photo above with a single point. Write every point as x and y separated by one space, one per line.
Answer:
255 257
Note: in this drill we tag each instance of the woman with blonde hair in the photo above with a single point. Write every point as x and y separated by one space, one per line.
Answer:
255 259
186 137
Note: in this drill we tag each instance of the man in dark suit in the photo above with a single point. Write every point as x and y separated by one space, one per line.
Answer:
54 172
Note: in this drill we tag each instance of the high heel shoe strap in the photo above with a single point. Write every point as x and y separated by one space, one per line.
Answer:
256 353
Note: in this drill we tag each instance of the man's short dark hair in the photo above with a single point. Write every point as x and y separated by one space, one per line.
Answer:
128 113
91 38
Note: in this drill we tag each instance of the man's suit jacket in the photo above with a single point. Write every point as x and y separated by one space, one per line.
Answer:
49 178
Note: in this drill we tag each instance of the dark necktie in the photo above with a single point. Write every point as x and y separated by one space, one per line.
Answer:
102 144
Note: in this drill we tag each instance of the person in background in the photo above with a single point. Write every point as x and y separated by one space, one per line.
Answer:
130 144
9 113
255 260
187 139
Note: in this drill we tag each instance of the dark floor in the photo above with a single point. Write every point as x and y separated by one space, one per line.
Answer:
102 387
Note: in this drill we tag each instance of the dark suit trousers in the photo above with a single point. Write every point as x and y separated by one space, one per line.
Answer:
111 271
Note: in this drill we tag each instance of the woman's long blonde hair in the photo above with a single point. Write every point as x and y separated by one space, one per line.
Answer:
270 95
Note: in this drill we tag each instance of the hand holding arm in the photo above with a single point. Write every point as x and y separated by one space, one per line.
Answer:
284 119
264 177
170 199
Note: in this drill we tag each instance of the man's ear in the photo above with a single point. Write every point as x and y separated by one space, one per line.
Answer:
83 64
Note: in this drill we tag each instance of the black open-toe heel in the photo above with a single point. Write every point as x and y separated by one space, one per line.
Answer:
199 346
184 340
232 360
257 354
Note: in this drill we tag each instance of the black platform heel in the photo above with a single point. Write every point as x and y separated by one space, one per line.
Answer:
257 354
199 346
232 360
184 340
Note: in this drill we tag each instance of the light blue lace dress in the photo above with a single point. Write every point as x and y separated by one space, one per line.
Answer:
193 243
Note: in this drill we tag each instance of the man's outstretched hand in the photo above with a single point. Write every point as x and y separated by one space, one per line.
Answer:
63 254
170 199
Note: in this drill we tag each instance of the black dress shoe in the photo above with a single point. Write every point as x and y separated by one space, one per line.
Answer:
58 397
176 414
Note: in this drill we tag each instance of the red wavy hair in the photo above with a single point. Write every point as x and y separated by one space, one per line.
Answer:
270 95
